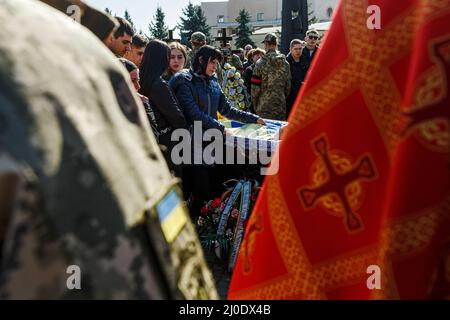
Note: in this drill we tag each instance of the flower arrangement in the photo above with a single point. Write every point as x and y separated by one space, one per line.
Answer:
234 89
222 221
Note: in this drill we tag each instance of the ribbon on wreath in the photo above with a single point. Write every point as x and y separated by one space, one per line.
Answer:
227 210
243 188
239 231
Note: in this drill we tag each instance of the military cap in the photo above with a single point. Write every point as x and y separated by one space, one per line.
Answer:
270 37
198 37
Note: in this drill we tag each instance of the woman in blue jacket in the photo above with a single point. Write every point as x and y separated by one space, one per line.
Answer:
201 97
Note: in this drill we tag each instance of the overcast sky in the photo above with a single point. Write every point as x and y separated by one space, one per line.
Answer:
142 11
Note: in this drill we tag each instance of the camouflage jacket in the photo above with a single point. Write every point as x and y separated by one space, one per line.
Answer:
190 57
234 61
271 84
84 178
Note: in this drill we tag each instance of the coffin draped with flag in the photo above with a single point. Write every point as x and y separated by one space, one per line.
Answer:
360 206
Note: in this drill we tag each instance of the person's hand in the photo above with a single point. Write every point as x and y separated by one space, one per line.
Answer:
261 121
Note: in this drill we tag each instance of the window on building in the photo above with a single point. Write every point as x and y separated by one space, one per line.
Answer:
260 16
220 19
329 12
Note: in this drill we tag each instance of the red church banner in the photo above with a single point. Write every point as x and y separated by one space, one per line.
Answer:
360 207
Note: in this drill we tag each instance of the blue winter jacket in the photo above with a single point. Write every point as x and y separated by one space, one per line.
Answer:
201 98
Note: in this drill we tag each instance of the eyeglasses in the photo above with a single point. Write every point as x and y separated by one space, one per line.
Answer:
313 37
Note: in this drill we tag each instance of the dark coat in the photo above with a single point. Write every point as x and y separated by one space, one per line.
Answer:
248 78
307 58
247 63
298 74
299 70
167 111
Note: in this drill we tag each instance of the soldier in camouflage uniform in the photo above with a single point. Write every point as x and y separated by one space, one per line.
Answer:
82 181
271 82
231 58
198 40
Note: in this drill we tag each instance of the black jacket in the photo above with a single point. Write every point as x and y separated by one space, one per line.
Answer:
298 74
247 64
299 70
307 58
248 78
168 114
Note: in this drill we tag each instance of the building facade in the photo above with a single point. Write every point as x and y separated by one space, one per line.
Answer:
323 10
265 14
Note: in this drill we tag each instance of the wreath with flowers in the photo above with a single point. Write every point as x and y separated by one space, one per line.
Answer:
234 89
222 221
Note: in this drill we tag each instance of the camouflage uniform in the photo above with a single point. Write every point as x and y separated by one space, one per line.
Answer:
81 174
235 62
190 57
197 37
271 84
231 58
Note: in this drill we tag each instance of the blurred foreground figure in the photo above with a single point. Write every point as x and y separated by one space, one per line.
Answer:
84 190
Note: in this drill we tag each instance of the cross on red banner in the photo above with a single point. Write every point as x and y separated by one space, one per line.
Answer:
392 189
337 183
440 109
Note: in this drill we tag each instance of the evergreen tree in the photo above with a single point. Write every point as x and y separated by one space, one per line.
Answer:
186 25
158 29
127 17
194 20
108 11
311 16
244 30
202 25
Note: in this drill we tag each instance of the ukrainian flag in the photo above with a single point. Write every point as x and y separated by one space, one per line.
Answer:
171 215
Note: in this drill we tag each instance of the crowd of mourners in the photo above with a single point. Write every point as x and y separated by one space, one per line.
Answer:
180 85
